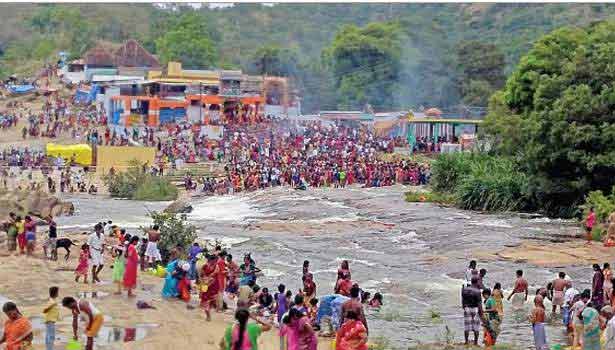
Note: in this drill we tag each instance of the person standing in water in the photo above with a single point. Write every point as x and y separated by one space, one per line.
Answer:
471 272
559 291
520 291
597 288
537 319
88 313
471 302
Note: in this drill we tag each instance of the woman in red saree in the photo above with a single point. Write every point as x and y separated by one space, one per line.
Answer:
352 335
132 262
209 285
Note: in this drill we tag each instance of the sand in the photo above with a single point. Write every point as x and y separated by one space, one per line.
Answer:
26 281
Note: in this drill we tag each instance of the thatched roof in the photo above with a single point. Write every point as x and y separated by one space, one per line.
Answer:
100 55
132 54
129 54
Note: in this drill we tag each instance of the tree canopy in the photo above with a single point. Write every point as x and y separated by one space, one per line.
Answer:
481 71
188 42
366 64
561 102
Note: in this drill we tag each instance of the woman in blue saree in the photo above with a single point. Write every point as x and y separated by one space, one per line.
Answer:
170 282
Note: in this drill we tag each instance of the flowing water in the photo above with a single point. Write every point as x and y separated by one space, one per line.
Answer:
413 253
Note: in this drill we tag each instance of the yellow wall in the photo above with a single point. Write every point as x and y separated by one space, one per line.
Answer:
120 157
82 152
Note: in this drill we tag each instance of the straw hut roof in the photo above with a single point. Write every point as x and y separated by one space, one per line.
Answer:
132 54
100 55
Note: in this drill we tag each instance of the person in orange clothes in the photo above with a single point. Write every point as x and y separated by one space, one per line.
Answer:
352 335
17 329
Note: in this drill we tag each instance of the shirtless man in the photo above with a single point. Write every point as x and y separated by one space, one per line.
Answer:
151 252
559 291
520 288
88 313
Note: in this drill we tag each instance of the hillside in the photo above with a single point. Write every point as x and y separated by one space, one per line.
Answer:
431 34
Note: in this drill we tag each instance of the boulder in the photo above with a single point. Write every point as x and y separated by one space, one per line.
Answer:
36 203
179 207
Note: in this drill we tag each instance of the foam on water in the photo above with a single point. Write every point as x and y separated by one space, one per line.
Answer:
491 223
356 261
224 208
272 273
225 241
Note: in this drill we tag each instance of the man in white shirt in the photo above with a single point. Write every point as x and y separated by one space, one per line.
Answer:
96 241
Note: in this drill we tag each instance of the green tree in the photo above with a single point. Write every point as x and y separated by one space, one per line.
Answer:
481 71
562 96
366 64
274 60
175 231
188 41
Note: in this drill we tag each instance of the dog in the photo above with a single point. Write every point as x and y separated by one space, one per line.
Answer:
65 243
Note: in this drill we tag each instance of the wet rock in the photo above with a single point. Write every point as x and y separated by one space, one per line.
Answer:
179 207
36 203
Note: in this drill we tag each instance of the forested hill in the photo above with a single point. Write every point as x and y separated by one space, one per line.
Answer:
393 56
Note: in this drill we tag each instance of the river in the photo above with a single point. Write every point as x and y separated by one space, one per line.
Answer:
413 253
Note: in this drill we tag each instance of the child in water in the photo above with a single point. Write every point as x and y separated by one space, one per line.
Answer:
119 264
376 301
83 266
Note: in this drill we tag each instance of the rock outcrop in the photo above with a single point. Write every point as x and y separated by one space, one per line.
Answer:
179 207
35 203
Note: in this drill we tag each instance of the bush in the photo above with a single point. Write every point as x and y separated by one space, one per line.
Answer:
156 189
493 184
603 205
448 169
478 181
174 232
135 183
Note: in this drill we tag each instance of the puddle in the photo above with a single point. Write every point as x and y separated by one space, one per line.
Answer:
109 335
106 336
92 295
69 319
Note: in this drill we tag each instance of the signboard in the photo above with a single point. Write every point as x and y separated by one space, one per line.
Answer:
212 132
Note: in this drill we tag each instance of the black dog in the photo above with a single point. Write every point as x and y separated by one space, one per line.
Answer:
65 243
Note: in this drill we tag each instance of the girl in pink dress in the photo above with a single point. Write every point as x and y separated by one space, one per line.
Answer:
82 266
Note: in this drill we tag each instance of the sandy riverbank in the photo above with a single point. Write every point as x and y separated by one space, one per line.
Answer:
169 326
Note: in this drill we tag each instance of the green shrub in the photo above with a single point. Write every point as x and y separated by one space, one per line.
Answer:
603 204
174 232
155 189
478 181
448 169
135 183
493 184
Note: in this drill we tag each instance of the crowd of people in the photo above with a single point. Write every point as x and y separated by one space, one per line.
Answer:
587 315
209 274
